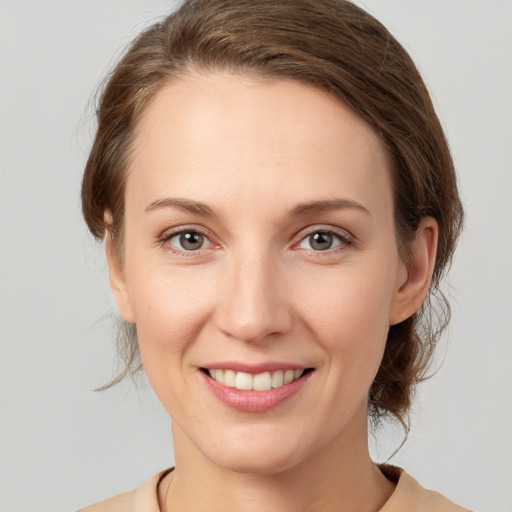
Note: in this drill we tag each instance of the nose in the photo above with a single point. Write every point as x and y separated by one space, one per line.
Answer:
253 303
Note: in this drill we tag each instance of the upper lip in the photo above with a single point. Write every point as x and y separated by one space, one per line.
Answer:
252 368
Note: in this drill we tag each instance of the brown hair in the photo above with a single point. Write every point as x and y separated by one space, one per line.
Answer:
339 48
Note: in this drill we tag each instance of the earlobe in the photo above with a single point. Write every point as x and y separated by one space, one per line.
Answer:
118 280
411 292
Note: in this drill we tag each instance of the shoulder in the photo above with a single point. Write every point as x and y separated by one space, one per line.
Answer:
410 495
141 499
120 503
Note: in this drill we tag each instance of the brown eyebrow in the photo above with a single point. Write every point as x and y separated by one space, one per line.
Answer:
323 206
183 204
199 208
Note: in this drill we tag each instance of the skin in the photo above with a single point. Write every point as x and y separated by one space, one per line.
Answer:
252 150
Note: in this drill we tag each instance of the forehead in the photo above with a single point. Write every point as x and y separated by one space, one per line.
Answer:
217 136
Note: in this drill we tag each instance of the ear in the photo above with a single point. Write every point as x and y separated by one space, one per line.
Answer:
117 276
414 276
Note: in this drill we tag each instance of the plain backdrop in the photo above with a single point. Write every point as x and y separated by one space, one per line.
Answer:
63 445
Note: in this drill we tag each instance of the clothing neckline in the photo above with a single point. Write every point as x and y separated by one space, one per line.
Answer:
392 473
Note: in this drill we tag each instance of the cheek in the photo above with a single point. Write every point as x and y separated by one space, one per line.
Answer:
348 310
170 308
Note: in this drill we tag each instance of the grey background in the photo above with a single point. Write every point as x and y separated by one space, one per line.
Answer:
63 446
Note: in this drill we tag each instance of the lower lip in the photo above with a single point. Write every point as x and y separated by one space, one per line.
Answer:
254 401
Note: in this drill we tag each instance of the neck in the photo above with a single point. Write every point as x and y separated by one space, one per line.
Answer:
340 476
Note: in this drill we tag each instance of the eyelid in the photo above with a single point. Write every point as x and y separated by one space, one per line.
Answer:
170 233
345 236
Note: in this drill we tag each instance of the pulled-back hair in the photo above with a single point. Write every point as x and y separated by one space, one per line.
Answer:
339 48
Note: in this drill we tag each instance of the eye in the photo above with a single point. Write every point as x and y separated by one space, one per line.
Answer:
189 240
322 241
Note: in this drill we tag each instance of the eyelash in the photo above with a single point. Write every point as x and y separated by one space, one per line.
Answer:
164 240
345 238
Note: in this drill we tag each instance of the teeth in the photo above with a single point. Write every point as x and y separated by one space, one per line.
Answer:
277 379
243 381
260 382
229 378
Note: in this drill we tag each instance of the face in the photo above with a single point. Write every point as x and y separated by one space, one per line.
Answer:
259 249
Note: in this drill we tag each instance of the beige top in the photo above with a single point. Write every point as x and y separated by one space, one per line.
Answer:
409 496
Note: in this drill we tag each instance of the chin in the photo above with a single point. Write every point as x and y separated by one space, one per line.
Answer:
263 454
259 465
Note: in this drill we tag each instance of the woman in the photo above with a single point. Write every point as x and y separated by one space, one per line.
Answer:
278 203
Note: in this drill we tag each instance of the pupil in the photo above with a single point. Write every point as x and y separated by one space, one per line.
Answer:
321 241
191 241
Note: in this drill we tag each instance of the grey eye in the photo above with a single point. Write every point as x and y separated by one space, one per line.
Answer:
188 240
321 241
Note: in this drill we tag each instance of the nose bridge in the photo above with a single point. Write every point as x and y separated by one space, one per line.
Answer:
253 303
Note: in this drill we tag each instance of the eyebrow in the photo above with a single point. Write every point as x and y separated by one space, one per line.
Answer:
328 205
301 209
182 204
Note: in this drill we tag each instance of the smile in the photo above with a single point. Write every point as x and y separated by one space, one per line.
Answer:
254 388
259 382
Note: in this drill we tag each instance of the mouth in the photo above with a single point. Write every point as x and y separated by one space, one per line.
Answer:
264 381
